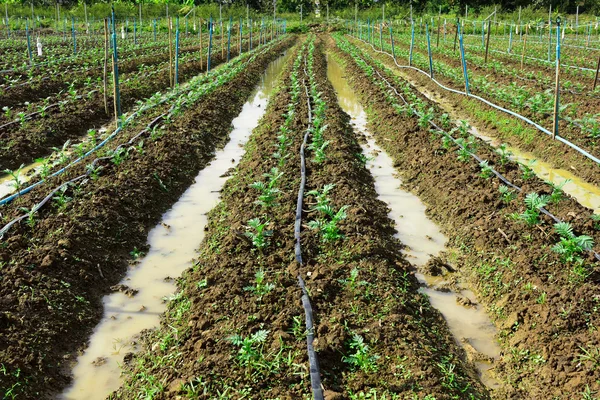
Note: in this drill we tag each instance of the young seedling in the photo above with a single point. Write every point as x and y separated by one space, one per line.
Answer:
93 171
321 196
351 281
119 155
62 199
250 352
16 182
327 225
361 359
527 171
260 288
596 219
557 191
486 170
506 194
268 191
534 202
7 112
505 154
258 233
571 246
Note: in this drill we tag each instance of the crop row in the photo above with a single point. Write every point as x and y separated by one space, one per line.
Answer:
58 265
533 271
513 130
68 118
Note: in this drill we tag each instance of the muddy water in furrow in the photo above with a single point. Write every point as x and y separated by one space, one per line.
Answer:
173 244
422 238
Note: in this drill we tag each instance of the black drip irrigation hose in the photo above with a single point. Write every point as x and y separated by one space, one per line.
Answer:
298 222
498 174
315 374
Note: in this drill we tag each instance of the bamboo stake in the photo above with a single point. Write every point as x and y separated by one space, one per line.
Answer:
105 74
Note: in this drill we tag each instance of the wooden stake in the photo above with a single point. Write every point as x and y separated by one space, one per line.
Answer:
524 45
201 62
487 43
439 26
456 34
170 52
105 75
222 42
597 70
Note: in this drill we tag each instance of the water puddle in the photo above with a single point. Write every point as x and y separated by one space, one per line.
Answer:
587 194
423 239
173 244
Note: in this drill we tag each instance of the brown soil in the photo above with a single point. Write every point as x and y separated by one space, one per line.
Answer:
56 271
544 317
384 307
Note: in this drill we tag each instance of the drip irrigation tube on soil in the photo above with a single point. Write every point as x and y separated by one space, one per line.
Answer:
479 160
489 103
315 373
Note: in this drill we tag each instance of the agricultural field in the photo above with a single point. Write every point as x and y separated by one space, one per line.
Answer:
273 208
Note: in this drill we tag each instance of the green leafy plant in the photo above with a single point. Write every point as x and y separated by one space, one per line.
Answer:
506 194
504 153
258 233
268 191
534 203
486 170
527 171
571 246
16 182
328 223
250 352
260 287
361 358
557 191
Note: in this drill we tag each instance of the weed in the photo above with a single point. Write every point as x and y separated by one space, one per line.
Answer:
592 355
